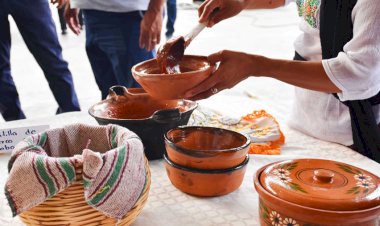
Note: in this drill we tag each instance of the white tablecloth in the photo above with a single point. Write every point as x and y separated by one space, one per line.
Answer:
169 206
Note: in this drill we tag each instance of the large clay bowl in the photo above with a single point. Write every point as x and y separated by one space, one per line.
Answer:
206 147
194 69
205 183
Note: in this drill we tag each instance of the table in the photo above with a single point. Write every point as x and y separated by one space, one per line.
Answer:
170 207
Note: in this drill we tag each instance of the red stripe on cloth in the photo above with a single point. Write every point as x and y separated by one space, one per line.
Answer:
86 176
52 175
38 178
118 182
106 177
60 170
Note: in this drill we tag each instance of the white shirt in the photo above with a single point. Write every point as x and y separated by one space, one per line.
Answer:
111 5
355 71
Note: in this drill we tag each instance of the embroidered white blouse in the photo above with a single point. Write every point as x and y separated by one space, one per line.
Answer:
355 71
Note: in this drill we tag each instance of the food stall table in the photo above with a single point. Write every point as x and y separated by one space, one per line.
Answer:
168 206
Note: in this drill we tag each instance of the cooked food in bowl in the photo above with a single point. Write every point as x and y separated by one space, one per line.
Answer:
148 117
194 69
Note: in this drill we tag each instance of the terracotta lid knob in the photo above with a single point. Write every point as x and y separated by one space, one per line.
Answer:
324 176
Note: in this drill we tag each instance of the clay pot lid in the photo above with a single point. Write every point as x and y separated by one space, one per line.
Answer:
322 184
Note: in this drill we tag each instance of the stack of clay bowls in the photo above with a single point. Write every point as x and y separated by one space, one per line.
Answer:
206 161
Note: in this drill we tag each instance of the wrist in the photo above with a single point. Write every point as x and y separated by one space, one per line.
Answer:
260 65
156 7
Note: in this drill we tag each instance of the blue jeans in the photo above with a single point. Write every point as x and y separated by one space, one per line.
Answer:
34 21
171 6
112 45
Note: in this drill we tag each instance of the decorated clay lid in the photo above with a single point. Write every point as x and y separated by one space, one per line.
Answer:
322 184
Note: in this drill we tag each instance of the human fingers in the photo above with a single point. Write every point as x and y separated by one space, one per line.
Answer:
219 16
208 9
70 15
204 94
201 8
206 85
215 57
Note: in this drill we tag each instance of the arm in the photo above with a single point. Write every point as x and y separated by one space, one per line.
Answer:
264 4
309 75
151 25
230 8
235 67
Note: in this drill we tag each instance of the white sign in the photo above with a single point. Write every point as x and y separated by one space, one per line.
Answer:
9 138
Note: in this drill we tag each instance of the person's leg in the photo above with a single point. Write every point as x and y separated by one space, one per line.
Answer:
171 6
100 63
37 28
62 21
9 101
116 35
80 16
135 54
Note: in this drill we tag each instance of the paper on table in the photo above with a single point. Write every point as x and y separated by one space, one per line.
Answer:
10 137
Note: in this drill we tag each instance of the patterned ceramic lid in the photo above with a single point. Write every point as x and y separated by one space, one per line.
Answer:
322 184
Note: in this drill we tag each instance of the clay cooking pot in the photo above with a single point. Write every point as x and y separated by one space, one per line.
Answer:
148 117
317 192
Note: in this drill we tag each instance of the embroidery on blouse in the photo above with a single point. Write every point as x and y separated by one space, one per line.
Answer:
309 10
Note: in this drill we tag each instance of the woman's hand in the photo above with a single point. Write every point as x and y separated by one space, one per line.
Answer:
227 9
59 3
150 29
233 68
72 19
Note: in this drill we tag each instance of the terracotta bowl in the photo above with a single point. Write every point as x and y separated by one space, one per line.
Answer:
205 183
148 117
317 192
194 69
206 147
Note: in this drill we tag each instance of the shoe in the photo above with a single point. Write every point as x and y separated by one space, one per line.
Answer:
64 32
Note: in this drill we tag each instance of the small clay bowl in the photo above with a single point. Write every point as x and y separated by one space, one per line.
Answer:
194 69
205 183
206 147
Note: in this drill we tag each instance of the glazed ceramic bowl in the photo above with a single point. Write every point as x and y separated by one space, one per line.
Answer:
205 183
317 192
148 117
206 147
194 70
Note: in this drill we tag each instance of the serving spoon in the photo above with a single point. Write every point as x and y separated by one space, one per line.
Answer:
170 54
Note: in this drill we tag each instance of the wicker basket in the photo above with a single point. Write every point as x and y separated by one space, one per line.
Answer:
69 208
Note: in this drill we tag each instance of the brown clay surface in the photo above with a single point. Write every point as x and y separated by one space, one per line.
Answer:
205 183
135 105
307 208
194 69
206 147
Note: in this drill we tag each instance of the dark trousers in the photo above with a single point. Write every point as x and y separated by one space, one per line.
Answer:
33 19
112 45
171 7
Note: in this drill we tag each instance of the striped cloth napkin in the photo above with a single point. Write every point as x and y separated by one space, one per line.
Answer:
113 164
